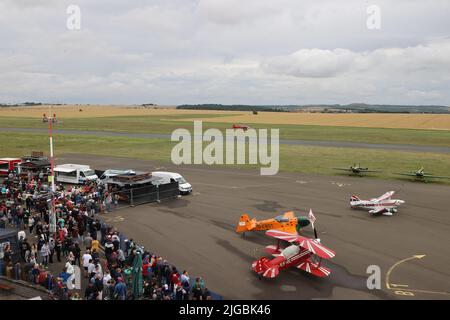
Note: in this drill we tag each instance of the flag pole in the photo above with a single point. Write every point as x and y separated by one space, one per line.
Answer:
52 219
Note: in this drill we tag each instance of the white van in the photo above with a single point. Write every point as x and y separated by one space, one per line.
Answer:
168 177
74 173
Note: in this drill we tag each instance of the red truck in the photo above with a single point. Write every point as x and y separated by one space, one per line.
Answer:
8 164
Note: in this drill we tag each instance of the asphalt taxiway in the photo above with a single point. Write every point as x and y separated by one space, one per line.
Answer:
196 232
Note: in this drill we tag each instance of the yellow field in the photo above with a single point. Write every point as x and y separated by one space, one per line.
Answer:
372 120
91 111
375 120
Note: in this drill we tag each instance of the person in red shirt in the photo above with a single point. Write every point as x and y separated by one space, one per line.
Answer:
146 267
175 278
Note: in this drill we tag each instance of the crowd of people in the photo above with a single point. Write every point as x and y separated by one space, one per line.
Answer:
82 242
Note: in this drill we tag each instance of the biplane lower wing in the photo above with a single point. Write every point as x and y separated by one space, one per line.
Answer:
314 268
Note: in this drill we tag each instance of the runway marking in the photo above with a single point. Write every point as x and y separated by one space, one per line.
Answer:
340 184
231 172
408 291
388 274
114 219
238 187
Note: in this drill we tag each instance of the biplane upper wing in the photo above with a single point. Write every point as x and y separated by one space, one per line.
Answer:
385 196
311 245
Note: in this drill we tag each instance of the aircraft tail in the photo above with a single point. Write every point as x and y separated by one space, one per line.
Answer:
245 224
265 269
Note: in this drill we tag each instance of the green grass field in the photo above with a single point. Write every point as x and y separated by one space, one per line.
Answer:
315 160
167 123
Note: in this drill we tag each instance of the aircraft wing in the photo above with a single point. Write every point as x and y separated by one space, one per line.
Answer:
377 209
311 245
289 215
343 169
314 268
406 174
385 196
436 177
291 230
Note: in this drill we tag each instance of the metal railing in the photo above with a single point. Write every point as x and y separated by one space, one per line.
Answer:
135 196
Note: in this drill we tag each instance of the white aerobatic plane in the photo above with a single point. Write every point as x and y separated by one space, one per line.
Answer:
382 205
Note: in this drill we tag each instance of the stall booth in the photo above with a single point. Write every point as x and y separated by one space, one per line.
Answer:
8 237
8 165
130 186
36 164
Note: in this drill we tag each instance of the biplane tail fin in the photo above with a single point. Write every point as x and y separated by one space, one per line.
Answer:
264 268
245 224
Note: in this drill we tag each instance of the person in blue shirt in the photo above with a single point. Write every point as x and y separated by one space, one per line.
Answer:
120 290
64 276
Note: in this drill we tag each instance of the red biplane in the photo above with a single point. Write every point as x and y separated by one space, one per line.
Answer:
299 254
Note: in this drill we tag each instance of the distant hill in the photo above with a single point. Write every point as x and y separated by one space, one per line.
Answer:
324 108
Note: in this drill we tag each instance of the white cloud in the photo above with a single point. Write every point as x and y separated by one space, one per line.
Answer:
312 63
433 56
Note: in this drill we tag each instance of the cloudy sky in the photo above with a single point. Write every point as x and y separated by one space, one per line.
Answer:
225 51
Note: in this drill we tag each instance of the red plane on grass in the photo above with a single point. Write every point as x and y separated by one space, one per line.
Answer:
299 254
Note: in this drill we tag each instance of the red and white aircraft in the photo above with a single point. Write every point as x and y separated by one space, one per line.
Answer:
240 126
383 204
299 254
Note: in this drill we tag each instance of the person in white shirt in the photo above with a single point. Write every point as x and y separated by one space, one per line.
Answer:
21 234
69 267
106 277
91 267
86 258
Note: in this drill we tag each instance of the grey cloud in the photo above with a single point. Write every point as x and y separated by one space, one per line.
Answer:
225 51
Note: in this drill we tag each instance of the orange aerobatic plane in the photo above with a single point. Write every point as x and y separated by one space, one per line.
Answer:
287 222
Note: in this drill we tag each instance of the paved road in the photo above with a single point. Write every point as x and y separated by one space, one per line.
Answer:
339 144
196 232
